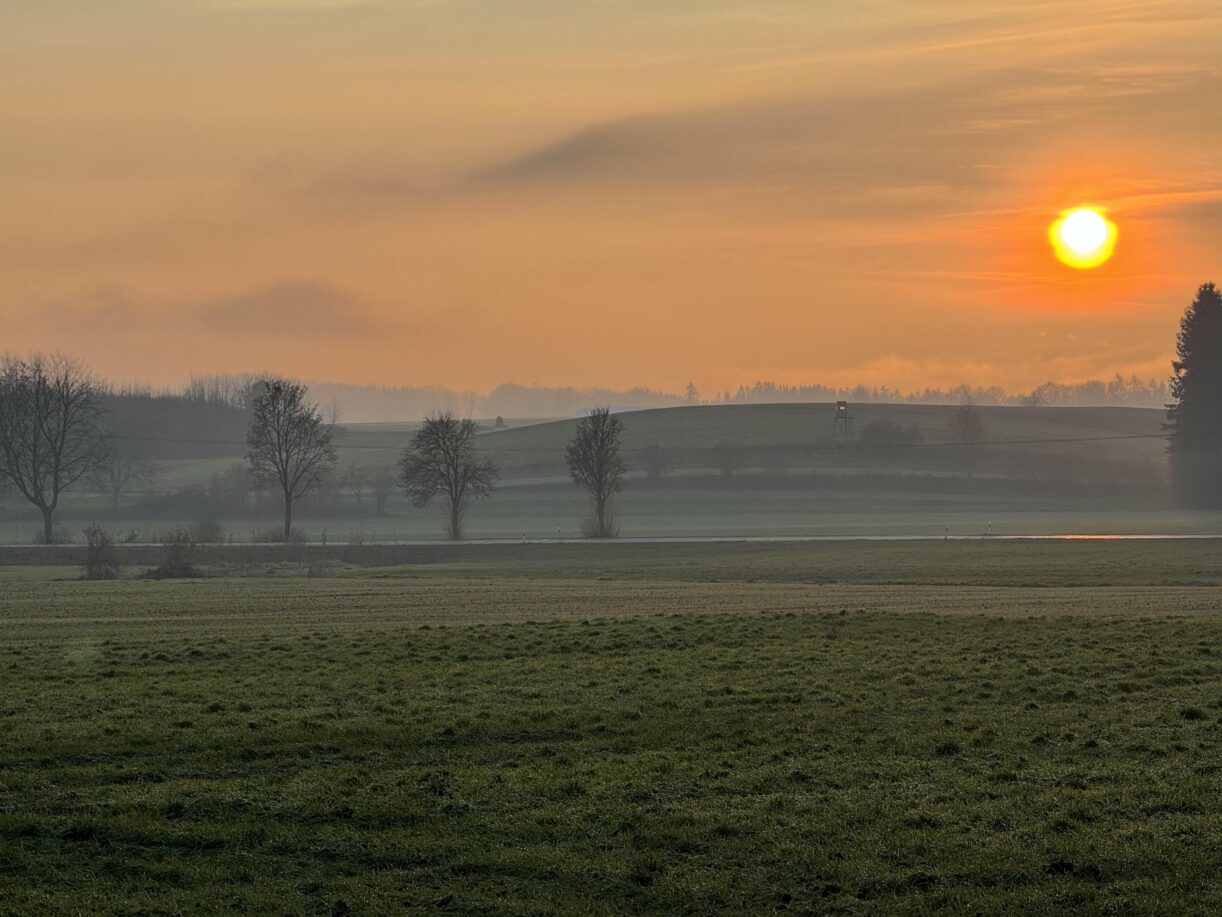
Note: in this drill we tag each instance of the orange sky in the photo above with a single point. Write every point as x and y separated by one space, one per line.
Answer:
612 193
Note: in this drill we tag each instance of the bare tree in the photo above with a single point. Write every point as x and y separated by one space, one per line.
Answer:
441 461
123 468
288 443
655 460
51 429
355 479
966 425
383 483
966 428
468 403
595 464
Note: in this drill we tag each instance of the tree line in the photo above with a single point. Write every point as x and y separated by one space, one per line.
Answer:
290 447
373 403
56 432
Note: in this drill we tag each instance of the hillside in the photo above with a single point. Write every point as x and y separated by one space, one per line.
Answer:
804 432
720 470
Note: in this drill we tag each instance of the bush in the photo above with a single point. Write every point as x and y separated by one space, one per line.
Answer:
179 546
655 460
101 561
728 458
208 531
276 536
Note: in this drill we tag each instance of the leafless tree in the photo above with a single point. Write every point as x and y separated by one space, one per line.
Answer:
383 483
124 467
468 404
288 444
356 479
441 461
966 428
596 465
655 460
966 425
51 429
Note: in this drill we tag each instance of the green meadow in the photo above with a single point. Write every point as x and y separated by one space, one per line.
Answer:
832 728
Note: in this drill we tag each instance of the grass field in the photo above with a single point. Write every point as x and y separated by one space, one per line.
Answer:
852 728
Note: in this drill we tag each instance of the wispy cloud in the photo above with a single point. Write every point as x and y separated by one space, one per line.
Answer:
291 308
896 147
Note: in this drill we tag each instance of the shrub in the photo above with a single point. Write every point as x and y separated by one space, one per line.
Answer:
276 536
101 561
728 458
179 546
655 460
208 531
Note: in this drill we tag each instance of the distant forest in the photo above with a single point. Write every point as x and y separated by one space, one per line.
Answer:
227 396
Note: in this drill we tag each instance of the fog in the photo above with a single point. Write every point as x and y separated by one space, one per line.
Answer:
731 465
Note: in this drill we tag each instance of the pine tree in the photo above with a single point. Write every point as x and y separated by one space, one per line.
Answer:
1194 420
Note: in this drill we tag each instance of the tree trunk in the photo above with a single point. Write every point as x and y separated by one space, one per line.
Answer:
48 530
601 508
288 518
455 523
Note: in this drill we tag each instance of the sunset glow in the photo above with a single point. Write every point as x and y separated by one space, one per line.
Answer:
459 194
1083 238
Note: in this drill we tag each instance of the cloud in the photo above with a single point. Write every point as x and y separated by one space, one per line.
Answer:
296 307
289 309
896 152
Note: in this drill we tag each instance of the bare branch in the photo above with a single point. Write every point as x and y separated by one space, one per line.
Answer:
441 462
51 432
596 465
288 444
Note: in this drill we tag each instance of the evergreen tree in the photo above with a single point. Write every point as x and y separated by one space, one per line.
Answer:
1194 420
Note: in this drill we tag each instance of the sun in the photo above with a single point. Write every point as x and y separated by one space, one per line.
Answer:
1083 237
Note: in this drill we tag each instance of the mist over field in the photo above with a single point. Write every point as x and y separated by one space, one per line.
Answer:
731 467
